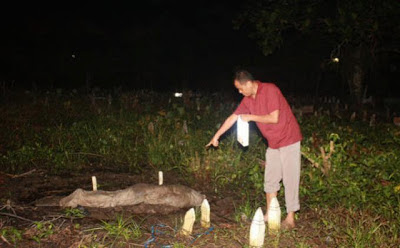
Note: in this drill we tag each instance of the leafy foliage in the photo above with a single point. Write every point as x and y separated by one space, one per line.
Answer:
359 33
347 165
43 230
341 22
11 234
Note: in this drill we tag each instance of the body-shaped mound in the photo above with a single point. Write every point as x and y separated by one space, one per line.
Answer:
170 195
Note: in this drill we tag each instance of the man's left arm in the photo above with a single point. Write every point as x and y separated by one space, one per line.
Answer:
271 118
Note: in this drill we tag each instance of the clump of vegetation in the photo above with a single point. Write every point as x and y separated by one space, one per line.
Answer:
122 228
349 173
10 235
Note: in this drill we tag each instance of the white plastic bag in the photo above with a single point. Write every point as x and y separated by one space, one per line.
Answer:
242 132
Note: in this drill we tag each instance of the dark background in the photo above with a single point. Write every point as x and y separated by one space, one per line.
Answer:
160 45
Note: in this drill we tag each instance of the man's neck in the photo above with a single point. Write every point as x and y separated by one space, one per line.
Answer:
254 90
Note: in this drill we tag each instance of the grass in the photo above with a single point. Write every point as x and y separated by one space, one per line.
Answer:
350 175
358 228
117 233
122 228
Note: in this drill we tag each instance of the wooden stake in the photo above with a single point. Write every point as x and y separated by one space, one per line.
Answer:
94 183
160 178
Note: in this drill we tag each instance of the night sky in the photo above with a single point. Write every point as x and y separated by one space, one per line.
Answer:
157 44
161 45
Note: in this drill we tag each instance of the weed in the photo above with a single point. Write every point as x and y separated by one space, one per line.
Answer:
11 234
178 245
43 230
74 213
245 211
125 229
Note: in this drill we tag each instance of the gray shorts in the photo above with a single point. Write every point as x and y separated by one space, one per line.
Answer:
284 164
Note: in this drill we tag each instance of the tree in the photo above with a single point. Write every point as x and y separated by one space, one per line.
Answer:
357 30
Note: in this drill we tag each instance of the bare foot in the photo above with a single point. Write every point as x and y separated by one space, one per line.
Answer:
288 224
266 218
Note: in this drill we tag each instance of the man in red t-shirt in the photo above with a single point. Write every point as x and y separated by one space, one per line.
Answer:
264 104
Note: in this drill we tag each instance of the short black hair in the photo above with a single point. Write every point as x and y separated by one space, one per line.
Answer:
242 76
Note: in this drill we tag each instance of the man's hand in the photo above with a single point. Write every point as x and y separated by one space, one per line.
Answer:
228 123
214 142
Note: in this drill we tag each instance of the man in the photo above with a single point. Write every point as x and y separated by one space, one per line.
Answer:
264 104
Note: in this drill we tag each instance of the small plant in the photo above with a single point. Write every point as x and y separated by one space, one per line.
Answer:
122 228
43 230
244 212
11 234
178 245
74 213
93 245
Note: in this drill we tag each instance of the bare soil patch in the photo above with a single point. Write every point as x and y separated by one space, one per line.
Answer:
19 193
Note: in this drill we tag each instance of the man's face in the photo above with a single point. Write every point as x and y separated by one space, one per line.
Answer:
244 89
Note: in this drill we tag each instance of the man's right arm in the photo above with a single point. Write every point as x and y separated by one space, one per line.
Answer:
228 123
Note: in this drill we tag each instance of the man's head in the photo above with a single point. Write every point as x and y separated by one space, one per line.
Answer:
245 84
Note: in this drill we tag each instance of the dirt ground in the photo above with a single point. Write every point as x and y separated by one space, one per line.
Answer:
19 192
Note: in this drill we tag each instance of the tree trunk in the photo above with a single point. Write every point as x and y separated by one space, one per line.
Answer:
353 71
356 83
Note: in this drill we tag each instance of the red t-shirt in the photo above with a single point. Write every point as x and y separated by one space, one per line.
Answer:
268 99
